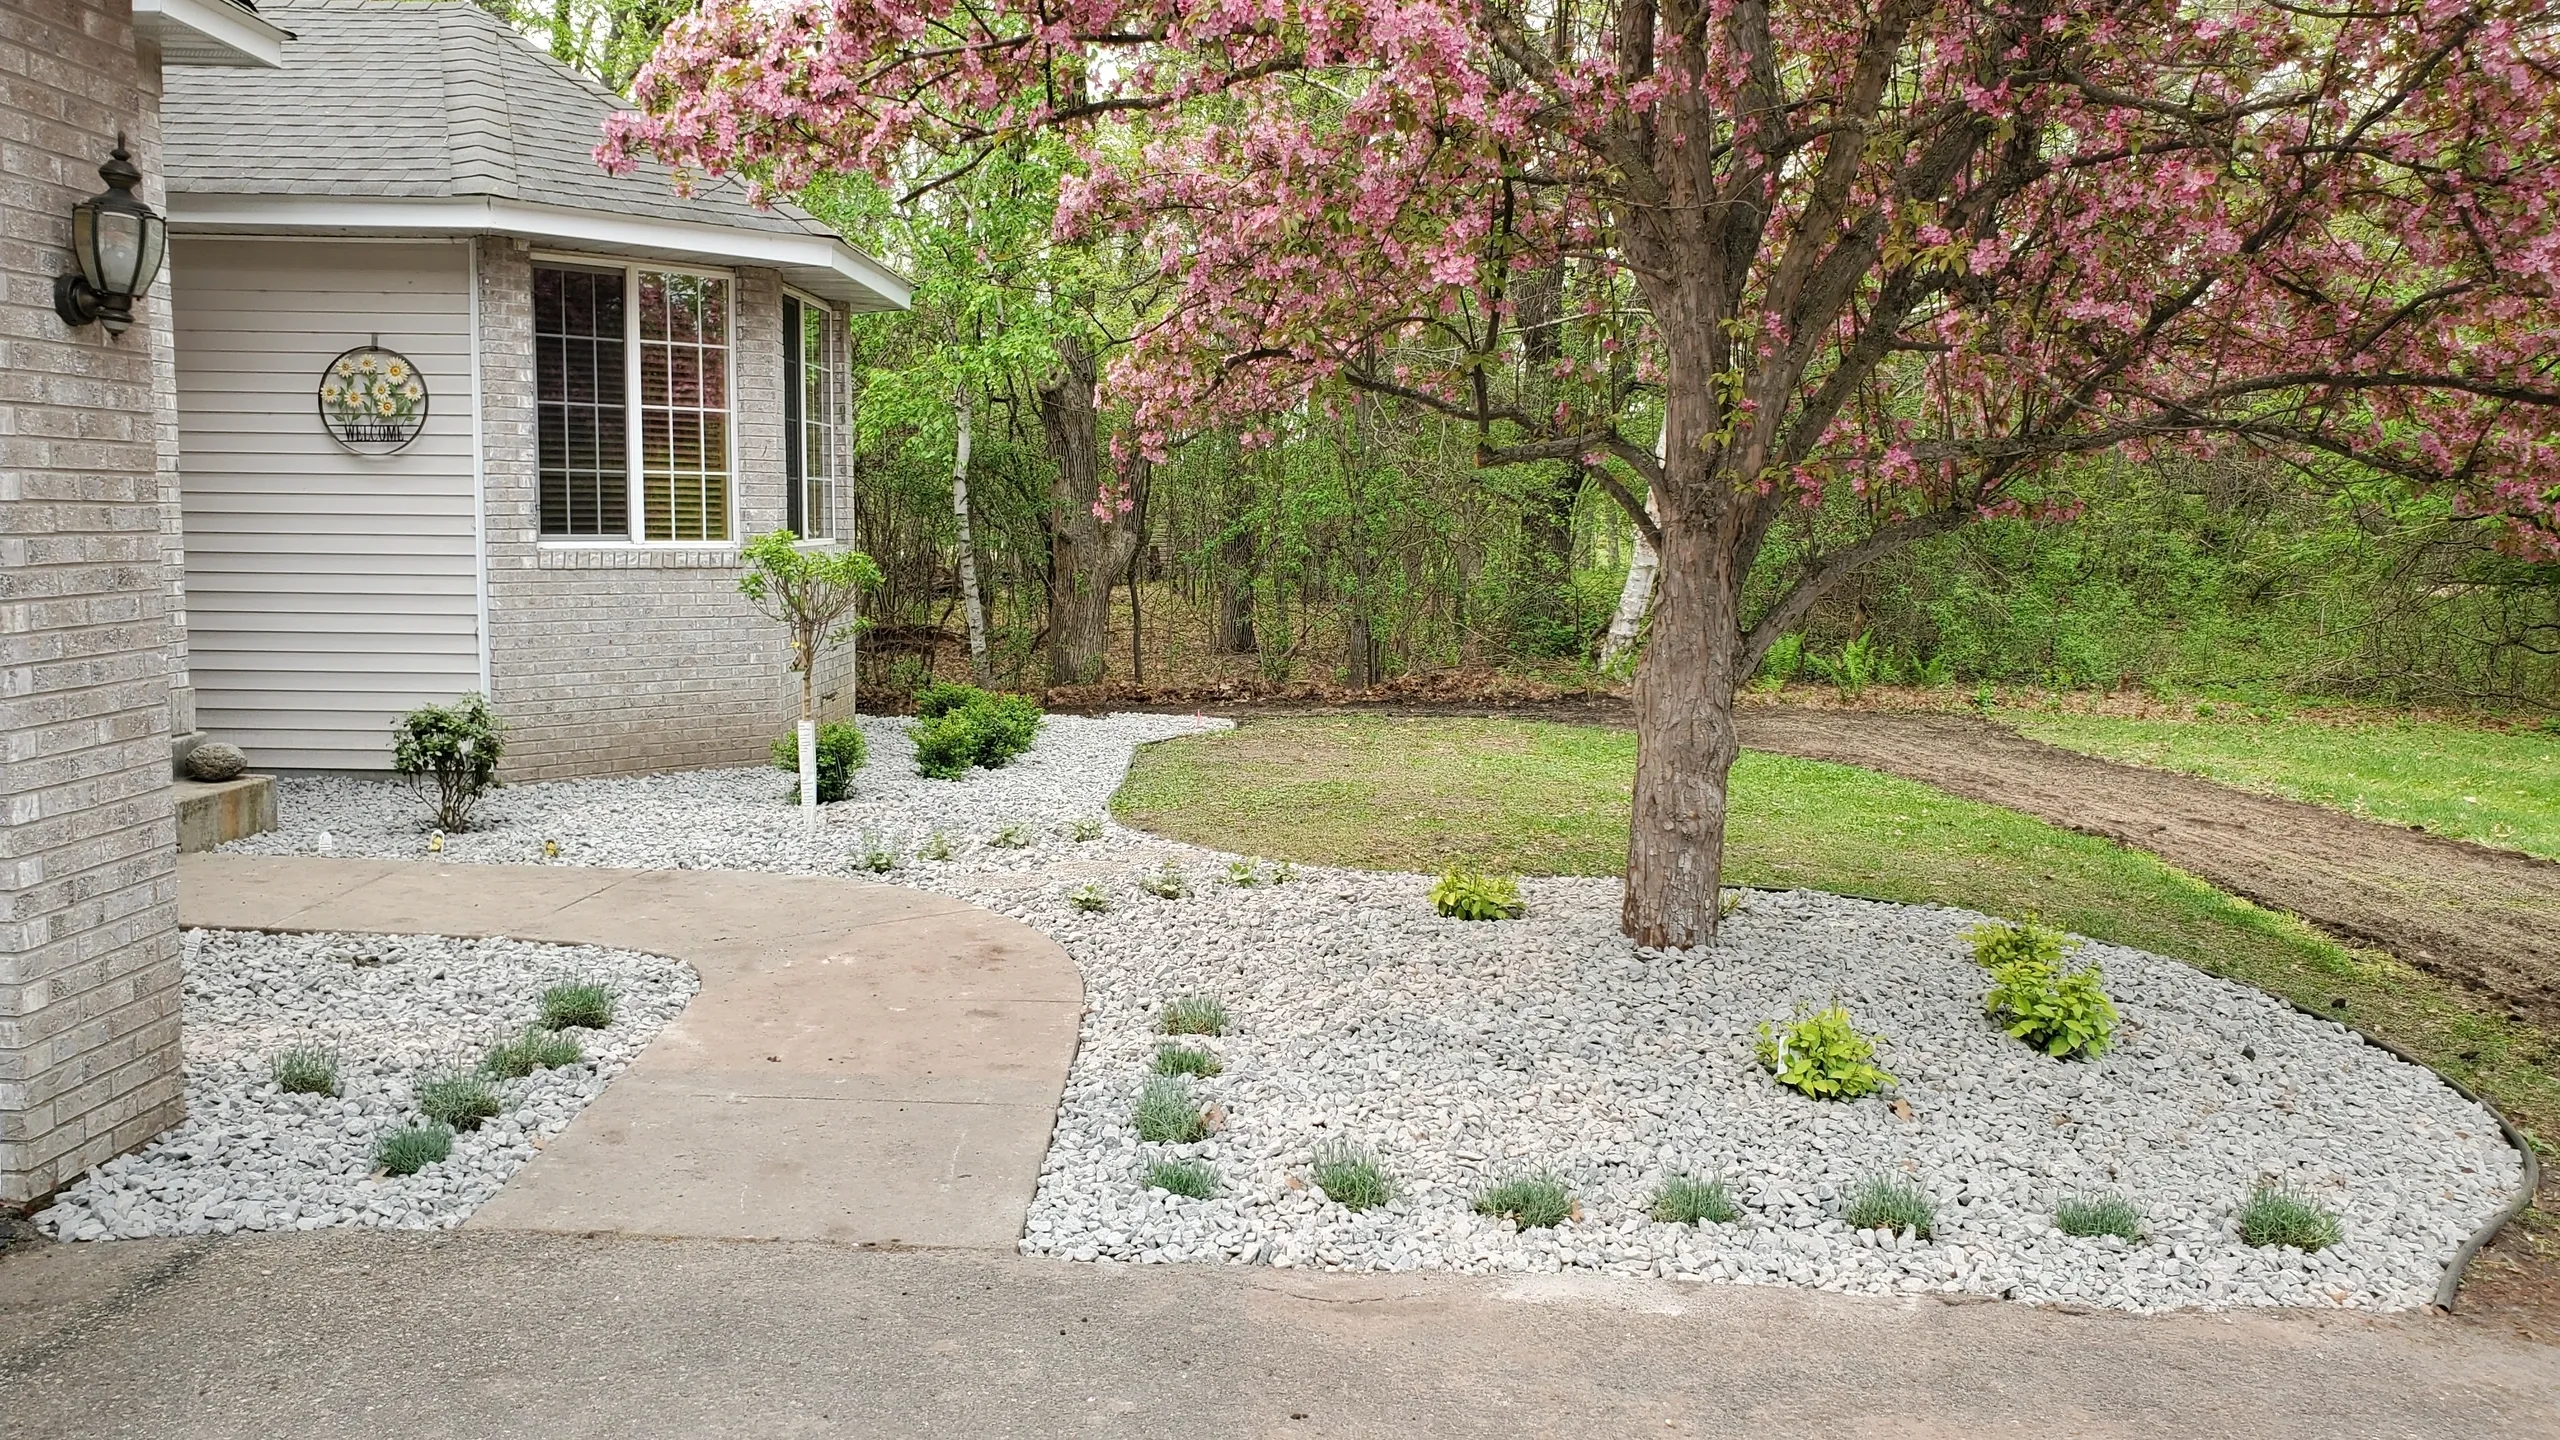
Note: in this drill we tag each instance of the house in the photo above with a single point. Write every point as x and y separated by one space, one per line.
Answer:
89 1050
458 411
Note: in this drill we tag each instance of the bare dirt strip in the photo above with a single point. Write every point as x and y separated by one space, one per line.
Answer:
2489 919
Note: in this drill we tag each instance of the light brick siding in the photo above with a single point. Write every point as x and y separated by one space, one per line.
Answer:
89 1057
623 658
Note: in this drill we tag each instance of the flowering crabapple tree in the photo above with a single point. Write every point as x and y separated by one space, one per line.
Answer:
1915 253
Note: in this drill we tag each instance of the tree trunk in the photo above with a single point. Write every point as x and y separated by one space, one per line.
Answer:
1087 552
977 610
1685 742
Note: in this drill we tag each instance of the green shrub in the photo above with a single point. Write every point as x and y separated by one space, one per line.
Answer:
2065 1014
305 1070
454 748
1186 1060
1350 1176
1822 1055
406 1152
2003 942
535 1049
1688 1200
577 1005
1532 1202
1166 1113
459 1099
840 753
1168 883
1193 1015
1090 897
2276 1215
1190 1179
1890 1203
1466 895
2091 1215
961 726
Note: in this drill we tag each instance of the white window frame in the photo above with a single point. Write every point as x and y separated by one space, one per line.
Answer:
634 514
841 342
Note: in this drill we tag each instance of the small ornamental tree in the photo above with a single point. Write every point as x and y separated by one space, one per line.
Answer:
812 591
1907 254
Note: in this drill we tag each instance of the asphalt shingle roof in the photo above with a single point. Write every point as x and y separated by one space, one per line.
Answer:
420 99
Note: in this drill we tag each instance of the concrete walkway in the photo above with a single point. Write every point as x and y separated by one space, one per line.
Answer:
864 1062
495 1333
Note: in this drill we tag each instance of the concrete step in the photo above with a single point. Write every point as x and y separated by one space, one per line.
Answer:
211 813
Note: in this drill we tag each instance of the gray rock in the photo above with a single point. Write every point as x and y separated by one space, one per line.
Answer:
215 761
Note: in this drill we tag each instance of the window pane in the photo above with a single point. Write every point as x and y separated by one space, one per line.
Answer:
684 403
578 348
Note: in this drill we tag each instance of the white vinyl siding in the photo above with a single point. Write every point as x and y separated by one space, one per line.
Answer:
327 592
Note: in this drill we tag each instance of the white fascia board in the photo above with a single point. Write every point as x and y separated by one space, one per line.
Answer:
210 32
821 264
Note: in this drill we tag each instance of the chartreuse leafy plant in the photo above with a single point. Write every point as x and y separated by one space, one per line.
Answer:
1859 222
2036 995
1350 1176
1090 897
453 749
1822 1055
1168 883
1466 895
2278 1215
811 590
1689 1200
1532 1202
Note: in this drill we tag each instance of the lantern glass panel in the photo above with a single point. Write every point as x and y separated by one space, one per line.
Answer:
119 251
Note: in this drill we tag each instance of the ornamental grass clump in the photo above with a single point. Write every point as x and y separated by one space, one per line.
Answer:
2089 1216
458 1099
1466 895
535 1049
1193 1015
1532 1202
1688 1200
1190 1179
577 1005
1186 1060
1822 1055
1350 1176
406 1152
305 1070
1888 1202
2277 1215
1167 1114
2037 995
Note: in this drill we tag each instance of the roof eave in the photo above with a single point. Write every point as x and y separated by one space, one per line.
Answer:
822 265
210 32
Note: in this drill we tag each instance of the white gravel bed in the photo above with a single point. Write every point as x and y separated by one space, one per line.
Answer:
1464 1053
394 1009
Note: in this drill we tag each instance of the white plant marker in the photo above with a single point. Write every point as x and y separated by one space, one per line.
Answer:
809 771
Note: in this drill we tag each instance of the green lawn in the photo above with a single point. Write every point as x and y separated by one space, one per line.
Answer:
2499 788
1391 793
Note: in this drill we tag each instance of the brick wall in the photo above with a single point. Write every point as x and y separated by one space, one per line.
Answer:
624 658
89 1058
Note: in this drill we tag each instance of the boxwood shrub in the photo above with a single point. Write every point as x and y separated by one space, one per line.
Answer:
840 753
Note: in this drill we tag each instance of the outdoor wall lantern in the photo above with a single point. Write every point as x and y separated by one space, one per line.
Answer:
119 242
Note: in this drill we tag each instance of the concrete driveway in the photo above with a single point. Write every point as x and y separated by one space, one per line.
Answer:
495 1333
